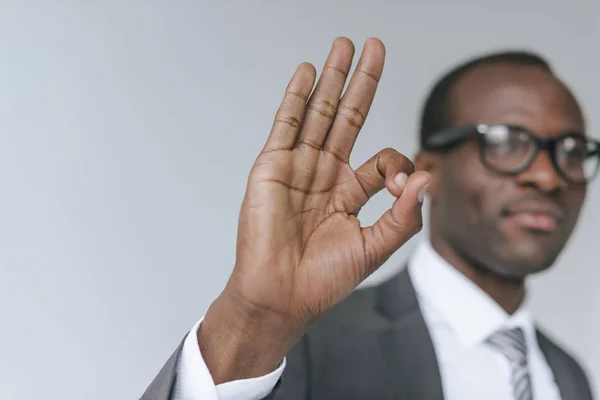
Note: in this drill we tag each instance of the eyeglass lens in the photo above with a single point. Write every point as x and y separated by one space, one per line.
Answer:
509 149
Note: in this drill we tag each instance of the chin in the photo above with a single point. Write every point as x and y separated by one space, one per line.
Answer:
523 251
523 260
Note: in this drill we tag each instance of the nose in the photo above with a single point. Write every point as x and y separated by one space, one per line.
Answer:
542 174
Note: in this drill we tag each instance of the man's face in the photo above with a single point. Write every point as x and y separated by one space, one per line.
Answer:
509 225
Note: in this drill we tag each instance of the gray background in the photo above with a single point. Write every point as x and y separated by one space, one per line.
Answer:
128 129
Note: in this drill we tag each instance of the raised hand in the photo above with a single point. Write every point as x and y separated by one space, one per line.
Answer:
301 248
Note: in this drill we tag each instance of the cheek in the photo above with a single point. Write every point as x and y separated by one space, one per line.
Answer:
481 198
575 200
473 193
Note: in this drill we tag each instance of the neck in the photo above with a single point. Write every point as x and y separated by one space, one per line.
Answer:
509 294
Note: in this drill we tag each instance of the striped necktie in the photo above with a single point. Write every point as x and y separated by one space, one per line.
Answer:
511 343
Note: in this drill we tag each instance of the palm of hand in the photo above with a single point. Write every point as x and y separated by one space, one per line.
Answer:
312 250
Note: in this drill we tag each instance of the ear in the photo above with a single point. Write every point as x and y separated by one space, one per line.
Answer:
430 162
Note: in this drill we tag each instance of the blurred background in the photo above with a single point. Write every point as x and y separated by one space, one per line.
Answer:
128 130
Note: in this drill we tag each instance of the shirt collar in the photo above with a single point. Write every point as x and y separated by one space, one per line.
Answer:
469 311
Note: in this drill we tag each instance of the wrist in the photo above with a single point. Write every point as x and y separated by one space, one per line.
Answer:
240 342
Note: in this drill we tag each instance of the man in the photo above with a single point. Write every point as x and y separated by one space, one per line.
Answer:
505 162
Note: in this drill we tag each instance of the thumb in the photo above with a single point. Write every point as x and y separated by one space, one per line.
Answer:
398 224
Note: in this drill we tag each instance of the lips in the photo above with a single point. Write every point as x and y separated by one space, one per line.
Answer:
536 216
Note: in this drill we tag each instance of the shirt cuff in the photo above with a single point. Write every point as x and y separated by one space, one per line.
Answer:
194 381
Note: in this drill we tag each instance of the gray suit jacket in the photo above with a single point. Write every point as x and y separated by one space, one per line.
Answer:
375 345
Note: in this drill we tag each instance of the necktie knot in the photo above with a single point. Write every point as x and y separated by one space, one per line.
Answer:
511 343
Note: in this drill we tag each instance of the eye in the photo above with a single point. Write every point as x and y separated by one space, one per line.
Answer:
575 148
497 134
504 141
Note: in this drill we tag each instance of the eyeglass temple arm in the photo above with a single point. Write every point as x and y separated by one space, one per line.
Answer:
446 137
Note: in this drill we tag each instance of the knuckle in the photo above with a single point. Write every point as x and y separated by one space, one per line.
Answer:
324 107
418 227
301 96
353 115
404 163
408 227
416 224
400 228
368 74
390 160
336 151
307 142
388 152
337 70
285 116
388 155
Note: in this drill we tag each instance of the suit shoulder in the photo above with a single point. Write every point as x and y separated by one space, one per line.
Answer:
551 348
549 344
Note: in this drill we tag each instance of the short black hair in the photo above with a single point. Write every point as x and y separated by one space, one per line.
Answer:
435 115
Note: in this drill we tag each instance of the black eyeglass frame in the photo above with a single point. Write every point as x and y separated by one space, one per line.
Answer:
449 138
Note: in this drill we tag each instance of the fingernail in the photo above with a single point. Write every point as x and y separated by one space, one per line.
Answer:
423 193
400 179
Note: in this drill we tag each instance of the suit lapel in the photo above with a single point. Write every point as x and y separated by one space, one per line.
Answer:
560 370
405 344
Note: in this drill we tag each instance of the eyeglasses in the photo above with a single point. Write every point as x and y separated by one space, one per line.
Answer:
511 149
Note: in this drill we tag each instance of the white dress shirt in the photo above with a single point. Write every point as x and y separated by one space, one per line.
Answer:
459 316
